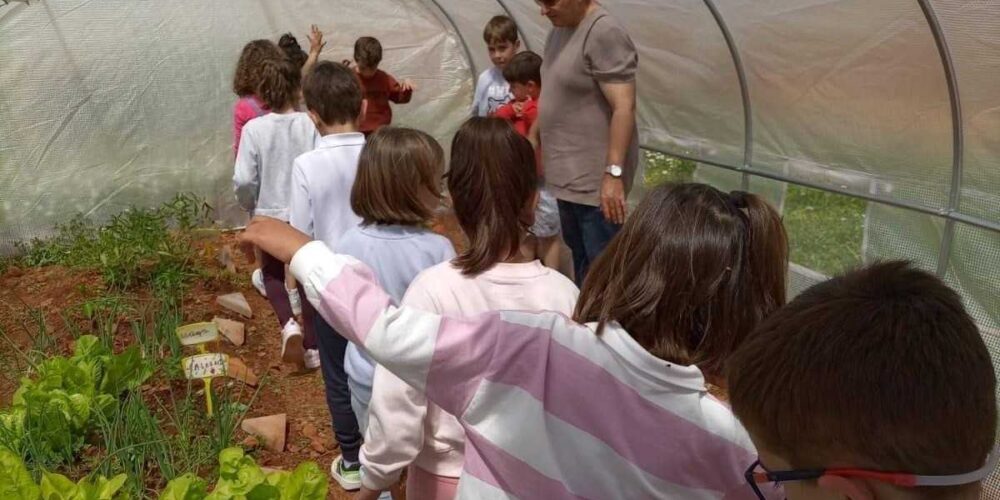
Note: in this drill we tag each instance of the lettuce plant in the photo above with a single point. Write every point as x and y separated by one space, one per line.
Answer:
52 412
241 478
16 484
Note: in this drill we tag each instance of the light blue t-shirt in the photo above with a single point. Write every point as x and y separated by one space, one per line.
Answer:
396 254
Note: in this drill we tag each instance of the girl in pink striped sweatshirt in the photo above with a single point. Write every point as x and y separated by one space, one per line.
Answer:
612 404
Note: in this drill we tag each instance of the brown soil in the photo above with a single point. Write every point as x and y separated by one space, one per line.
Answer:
57 294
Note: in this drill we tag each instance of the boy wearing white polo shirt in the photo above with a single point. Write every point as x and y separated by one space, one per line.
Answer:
321 207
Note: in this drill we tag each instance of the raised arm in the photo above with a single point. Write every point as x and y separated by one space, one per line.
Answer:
404 340
316 45
445 358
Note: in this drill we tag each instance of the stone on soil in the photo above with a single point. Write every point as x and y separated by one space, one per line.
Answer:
271 430
240 371
232 330
236 303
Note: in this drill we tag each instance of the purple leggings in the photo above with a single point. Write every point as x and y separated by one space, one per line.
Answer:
274 283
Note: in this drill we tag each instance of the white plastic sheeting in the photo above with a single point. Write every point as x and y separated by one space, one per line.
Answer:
107 103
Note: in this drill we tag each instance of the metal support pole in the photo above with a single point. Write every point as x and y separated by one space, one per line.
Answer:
744 92
461 39
958 152
908 205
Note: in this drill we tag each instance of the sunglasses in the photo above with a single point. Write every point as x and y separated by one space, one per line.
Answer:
758 475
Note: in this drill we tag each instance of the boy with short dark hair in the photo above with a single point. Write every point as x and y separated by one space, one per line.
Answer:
873 385
524 75
322 180
380 88
492 90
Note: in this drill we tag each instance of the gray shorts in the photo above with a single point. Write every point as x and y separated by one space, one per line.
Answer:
546 215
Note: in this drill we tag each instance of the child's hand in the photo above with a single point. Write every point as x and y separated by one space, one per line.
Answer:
349 64
316 42
407 86
518 109
272 236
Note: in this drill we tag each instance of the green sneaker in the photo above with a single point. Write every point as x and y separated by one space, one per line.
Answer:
348 478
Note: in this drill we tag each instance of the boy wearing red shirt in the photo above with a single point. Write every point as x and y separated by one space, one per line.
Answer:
380 87
524 74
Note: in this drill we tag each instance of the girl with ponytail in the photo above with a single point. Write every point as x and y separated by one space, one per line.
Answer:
694 271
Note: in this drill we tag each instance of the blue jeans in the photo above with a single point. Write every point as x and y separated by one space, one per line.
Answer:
586 233
332 348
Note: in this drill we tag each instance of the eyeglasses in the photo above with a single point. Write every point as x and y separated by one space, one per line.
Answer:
757 475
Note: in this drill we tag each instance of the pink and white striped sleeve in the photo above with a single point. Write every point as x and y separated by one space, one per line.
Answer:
406 341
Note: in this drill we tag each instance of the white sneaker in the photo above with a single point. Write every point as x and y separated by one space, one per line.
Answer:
312 359
349 479
292 350
293 297
257 279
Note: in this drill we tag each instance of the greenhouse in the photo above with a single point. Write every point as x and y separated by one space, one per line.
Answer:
872 127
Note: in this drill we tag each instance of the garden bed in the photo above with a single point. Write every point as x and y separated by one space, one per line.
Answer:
45 308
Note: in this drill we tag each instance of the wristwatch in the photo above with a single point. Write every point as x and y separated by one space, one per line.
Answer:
614 171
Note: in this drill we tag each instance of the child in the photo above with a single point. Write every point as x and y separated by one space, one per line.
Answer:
321 192
263 173
246 81
492 181
492 90
612 404
873 385
380 87
524 74
396 191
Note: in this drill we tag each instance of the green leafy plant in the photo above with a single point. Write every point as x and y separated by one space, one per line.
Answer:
52 412
16 484
59 487
240 477
15 480
135 247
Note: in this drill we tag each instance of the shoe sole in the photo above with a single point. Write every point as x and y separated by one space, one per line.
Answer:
344 484
294 352
348 486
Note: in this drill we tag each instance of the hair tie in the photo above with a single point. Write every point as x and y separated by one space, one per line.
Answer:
738 199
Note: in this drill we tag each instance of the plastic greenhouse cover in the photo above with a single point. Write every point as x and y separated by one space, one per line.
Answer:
111 103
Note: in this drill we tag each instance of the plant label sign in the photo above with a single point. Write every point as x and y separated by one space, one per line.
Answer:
198 333
205 366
